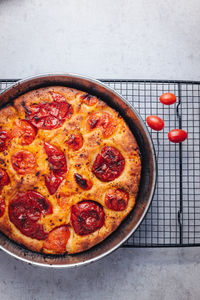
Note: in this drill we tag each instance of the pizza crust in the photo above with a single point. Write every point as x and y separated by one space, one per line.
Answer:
78 162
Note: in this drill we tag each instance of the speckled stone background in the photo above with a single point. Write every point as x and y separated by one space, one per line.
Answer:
104 39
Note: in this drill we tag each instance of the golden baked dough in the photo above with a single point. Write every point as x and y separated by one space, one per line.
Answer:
97 127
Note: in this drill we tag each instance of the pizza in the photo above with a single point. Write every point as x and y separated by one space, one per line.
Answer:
69 170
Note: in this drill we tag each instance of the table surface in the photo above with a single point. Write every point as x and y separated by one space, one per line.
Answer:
104 39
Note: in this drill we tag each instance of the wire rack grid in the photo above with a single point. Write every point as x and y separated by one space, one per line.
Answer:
174 216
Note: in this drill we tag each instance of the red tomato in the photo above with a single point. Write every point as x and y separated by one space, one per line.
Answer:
89 99
53 182
155 122
109 164
25 130
26 209
58 97
49 115
177 135
116 199
4 139
167 98
75 141
23 162
57 239
104 121
2 206
4 178
56 159
87 216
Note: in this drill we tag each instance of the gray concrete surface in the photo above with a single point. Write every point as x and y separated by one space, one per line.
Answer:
117 39
157 274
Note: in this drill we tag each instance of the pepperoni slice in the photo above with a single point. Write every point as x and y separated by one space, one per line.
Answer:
89 99
4 139
25 210
24 162
104 121
57 239
25 130
53 182
87 216
109 164
85 184
75 141
116 199
49 115
56 159
4 178
2 206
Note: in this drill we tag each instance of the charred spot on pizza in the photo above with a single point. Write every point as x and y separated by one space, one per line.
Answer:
84 183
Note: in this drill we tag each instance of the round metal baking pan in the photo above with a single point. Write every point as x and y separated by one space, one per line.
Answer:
148 178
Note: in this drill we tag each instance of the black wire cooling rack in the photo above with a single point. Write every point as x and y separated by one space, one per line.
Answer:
174 216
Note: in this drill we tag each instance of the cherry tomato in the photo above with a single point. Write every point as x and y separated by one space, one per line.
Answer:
49 115
167 98
57 97
26 209
25 130
155 123
56 159
2 206
53 182
109 164
87 216
75 141
104 121
4 178
177 135
89 99
4 139
24 162
57 239
116 199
